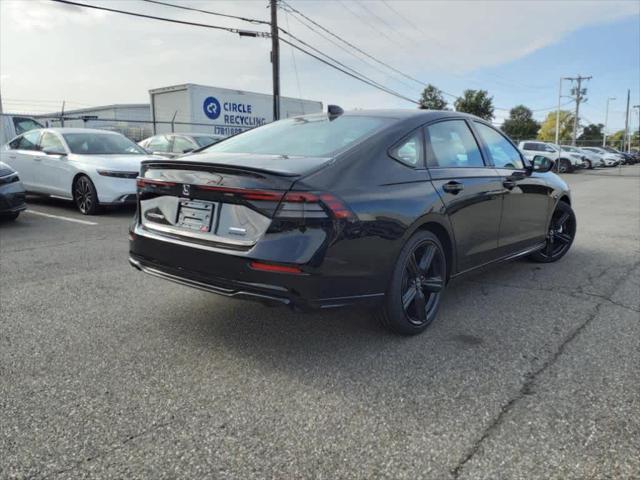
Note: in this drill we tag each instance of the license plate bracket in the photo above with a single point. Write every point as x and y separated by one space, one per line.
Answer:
196 215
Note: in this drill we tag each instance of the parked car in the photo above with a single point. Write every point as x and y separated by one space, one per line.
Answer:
173 145
589 159
609 159
625 158
596 159
565 161
13 125
90 167
377 207
12 194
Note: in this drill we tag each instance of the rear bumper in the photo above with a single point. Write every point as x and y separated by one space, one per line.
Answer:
230 276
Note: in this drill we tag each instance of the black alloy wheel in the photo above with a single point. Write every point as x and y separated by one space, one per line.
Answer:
85 195
562 231
419 278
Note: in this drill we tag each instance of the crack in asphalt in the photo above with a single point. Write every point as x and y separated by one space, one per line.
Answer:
530 377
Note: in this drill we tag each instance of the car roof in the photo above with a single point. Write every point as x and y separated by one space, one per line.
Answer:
79 130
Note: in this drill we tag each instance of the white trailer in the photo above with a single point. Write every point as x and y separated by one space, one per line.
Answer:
221 111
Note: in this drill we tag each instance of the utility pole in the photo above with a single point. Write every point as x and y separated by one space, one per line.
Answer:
275 59
579 94
626 123
606 121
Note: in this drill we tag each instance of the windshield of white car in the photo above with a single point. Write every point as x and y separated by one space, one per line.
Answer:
101 144
205 141
312 136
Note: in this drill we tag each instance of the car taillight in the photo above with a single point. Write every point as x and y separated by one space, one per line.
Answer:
302 205
147 182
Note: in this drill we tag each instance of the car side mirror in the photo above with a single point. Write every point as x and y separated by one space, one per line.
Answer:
541 164
54 151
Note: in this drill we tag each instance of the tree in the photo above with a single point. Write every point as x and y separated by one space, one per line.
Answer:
547 132
520 125
592 134
476 102
432 99
616 140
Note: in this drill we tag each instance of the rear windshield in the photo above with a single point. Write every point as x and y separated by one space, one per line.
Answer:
101 144
309 136
203 140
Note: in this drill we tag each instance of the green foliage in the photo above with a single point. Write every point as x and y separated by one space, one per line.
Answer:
592 134
432 99
616 140
547 132
476 102
520 125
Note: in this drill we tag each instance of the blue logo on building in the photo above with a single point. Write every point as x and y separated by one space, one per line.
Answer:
211 108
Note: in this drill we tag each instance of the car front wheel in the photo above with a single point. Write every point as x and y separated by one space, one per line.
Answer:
562 231
564 165
417 284
85 195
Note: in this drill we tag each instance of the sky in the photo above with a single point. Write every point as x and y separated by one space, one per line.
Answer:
516 50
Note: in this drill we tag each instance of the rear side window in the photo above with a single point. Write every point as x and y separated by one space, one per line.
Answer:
530 146
409 151
180 144
503 154
159 143
450 144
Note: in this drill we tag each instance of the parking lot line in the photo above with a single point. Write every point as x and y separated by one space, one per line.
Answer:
60 217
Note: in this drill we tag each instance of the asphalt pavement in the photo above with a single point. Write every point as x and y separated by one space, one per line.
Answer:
531 371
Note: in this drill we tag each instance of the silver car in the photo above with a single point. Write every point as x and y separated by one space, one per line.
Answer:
172 145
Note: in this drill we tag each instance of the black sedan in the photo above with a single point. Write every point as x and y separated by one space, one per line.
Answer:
367 207
12 194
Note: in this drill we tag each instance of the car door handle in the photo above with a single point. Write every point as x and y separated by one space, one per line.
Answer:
453 187
509 184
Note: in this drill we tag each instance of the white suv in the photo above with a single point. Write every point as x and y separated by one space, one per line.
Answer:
566 161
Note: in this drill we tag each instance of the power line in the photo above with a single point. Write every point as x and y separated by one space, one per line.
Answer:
182 7
295 66
352 45
364 80
243 33
341 47
354 73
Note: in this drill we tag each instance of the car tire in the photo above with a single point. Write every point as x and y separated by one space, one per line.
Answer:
589 164
85 196
417 284
560 236
564 166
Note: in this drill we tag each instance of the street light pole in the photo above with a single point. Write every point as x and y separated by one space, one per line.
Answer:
606 121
